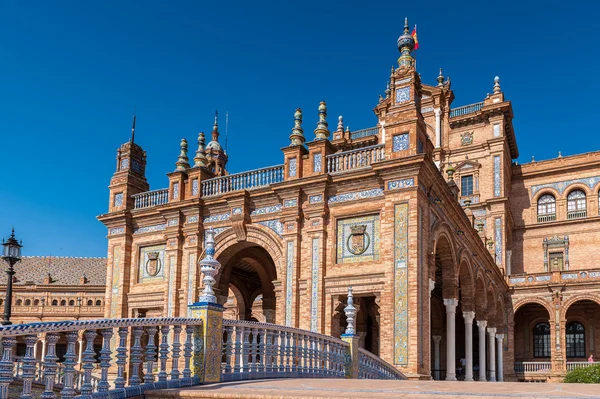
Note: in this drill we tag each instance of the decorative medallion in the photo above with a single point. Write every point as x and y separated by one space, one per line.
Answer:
466 138
402 95
358 240
153 264
124 163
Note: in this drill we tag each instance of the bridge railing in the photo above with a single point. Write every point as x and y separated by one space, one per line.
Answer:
149 364
374 368
254 350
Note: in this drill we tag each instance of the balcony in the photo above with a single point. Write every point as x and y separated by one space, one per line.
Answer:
243 181
466 109
576 214
546 218
150 198
355 159
371 131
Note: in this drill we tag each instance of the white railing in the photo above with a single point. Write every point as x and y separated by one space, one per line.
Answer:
576 365
355 159
533 367
466 109
243 181
546 218
259 350
129 351
374 368
576 214
150 198
371 131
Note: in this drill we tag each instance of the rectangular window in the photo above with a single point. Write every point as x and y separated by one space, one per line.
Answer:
541 345
466 185
575 344
556 261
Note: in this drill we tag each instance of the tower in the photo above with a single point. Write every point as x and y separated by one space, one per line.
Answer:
216 156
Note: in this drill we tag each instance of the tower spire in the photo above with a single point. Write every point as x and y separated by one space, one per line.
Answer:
297 136
322 131
182 161
440 79
406 44
133 128
200 158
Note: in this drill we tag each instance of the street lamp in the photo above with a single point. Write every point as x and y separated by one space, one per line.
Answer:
11 253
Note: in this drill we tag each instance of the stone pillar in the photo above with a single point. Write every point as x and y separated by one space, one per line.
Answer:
481 324
500 373
436 356
451 338
431 287
438 127
492 349
469 316
43 338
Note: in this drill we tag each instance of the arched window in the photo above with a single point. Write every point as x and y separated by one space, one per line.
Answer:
90 302
541 340
63 303
55 302
575 337
36 302
576 207
98 302
27 302
546 208
71 303
19 302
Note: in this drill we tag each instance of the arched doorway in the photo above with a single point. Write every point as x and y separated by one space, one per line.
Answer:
532 337
582 322
366 319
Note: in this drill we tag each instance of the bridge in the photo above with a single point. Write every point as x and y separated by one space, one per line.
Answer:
126 357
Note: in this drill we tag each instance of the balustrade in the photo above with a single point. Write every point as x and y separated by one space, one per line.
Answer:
94 380
371 131
150 198
576 214
576 365
466 109
355 159
533 367
242 181
372 367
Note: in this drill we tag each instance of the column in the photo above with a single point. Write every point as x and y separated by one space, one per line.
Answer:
80 353
438 127
451 338
431 287
43 338
481 324
492 349
436 356
469 316
499 338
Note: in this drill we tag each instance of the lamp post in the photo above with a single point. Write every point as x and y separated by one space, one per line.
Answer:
11 253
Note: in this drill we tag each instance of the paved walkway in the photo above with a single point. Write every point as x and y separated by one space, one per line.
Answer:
373 389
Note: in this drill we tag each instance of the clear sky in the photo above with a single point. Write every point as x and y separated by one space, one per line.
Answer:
72 71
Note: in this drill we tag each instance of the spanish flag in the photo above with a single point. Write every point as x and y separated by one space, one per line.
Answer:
414 36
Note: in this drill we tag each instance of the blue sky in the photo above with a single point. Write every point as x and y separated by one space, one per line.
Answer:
72 71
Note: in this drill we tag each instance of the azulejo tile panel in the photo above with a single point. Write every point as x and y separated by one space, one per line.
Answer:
219 230
195 188
116 230
150 229
289 270
172 222
292 167
118 199
401 284
176 190
236 211
498 238
358 239
318 162
376 192
192 219
266 209
217 218
497 177
116 282
172 267
274 225
396 184
314 305
560 186
151 263
191 280
315 199
290 202
400 142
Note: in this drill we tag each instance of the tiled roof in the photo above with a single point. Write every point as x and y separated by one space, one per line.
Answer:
63 270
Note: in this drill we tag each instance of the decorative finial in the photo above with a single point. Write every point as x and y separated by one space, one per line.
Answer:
497 88
440 79
209 266
532 159
348 129
406 44
450 171
182 162
392 73
380 98
405 24
133 128
560 154
297 136
340 126
216 124
350 311
200 158
388 91
322 131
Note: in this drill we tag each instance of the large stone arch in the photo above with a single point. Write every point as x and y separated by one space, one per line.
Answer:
466 280
532 300
445 254
576 298
481 295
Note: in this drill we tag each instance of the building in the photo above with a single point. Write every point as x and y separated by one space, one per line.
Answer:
453 251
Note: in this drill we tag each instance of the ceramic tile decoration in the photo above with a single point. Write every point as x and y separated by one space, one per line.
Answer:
314 305
150 229
543 278
266 209
402 95
498 238
192 219
403 183
151 263
428 109
376 192
496 130
219 230
290 202
175 190
401 284
124 163
317 162
116 230
466 138
116 282
195 187
118 199
236 211
568 276
561 186
400 142
405 80
172 267
172 222
274 225
191 280
594 274
315 199
292 167
358 239
517 280
288 282
497 179
315 222
217 218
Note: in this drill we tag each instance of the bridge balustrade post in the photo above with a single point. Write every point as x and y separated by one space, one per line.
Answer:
187 351
163 352
351 352
136 357
121 357
6 365
68 390
29 365
105 352
176 353
50 367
